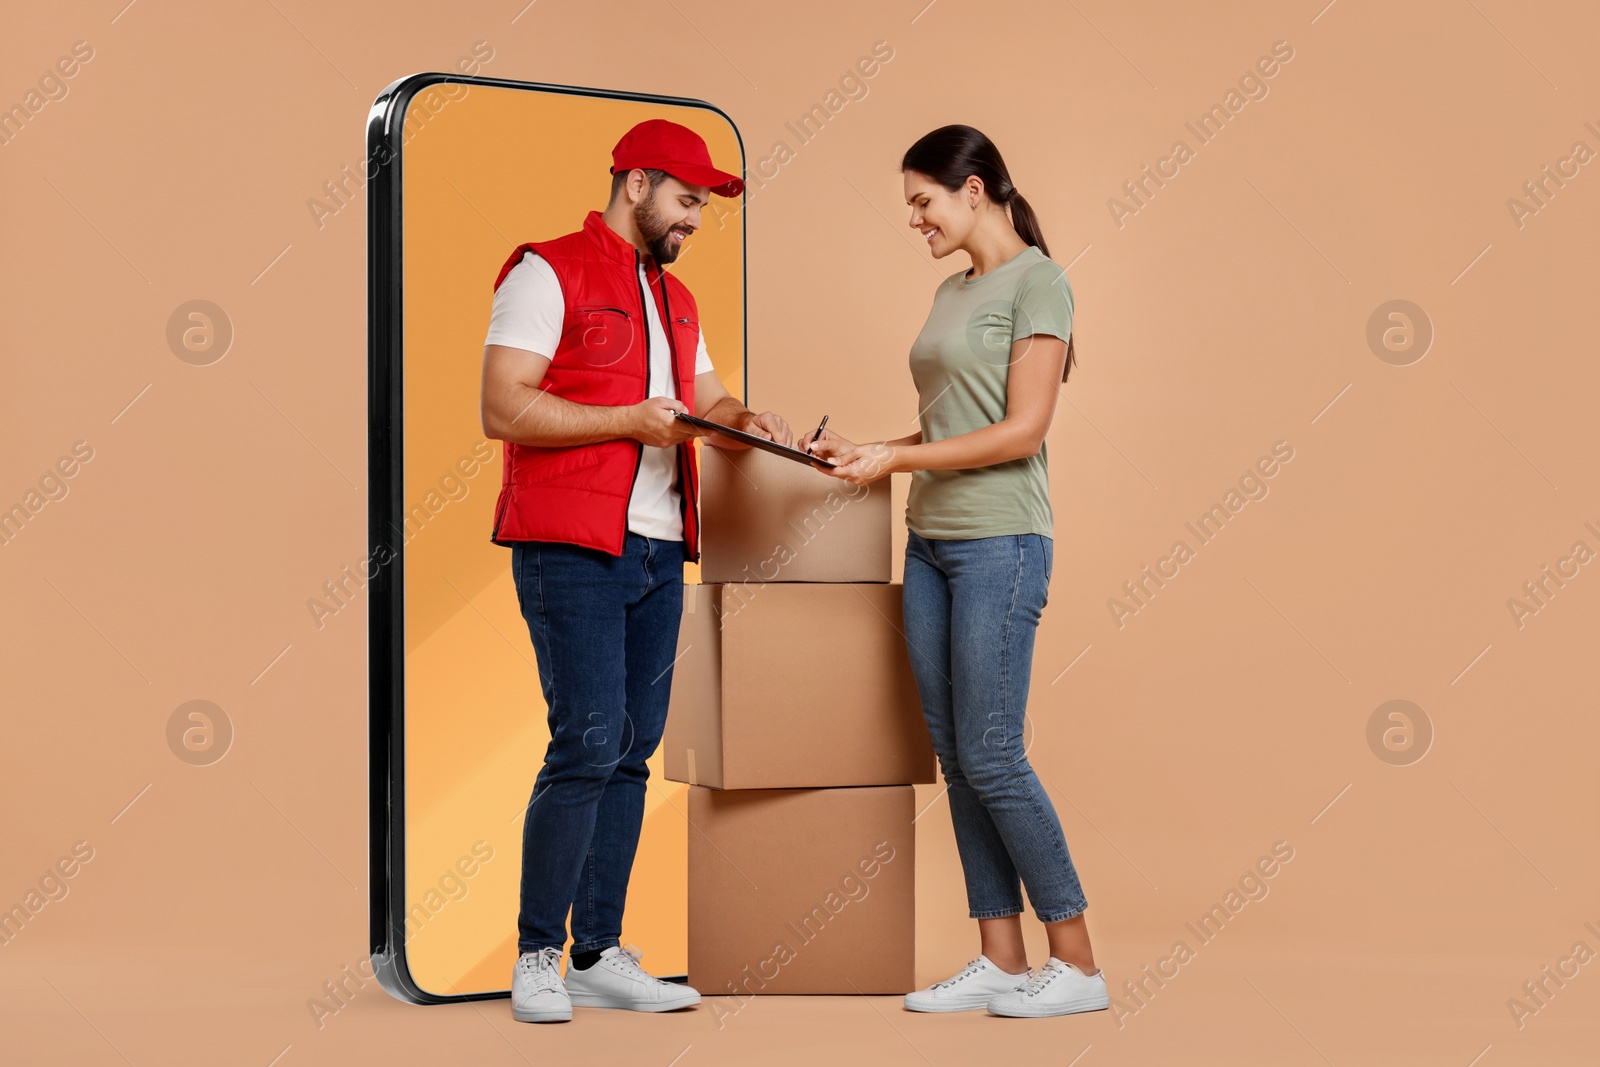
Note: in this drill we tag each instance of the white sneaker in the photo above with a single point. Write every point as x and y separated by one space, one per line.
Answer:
1057 988
979 982
537 994
616 981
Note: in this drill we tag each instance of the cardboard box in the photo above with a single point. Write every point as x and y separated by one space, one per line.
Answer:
760 702
764 518
802 891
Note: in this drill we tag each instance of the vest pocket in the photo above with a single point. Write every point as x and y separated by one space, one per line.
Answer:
550 465
599 335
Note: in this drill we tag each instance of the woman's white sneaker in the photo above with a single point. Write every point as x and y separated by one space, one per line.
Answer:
617 981
979 982
1057 988
537 992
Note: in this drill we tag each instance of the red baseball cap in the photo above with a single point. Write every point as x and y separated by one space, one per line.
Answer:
657 144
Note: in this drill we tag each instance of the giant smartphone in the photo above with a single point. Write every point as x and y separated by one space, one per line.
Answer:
461 170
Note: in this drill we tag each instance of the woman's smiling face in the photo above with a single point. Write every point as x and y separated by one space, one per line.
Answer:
942 218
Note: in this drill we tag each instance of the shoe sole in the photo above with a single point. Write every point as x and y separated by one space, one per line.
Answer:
600 1000
554 1015
950 1005
1069 1009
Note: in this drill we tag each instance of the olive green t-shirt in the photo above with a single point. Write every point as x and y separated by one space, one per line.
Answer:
960 363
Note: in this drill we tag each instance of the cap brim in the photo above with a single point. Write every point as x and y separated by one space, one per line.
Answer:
719 182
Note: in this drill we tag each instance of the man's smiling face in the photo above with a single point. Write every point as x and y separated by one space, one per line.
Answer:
667 216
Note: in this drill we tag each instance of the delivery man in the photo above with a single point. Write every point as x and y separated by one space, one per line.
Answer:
592 347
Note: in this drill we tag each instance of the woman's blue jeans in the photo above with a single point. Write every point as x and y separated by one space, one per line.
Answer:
605 632
972 608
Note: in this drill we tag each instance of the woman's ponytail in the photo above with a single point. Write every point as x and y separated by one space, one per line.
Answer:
1024 221
951 154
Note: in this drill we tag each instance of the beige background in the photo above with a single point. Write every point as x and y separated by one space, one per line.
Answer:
1228 313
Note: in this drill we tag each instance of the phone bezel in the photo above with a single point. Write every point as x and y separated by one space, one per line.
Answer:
385 144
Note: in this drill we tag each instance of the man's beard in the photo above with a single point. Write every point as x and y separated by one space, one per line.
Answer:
656 231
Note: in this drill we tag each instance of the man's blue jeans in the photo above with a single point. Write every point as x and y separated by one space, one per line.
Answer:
971 610
605 633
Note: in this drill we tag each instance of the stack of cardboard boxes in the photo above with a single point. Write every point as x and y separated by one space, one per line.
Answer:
796 723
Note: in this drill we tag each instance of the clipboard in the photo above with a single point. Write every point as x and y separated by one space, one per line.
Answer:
759 442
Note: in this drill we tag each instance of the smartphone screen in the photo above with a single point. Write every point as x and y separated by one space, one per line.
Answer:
461 171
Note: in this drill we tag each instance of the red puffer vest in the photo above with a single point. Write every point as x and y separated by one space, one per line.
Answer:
579 494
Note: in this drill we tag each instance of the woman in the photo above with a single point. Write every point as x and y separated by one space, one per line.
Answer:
987 365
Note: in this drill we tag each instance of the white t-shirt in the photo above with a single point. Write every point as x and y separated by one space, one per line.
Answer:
528 312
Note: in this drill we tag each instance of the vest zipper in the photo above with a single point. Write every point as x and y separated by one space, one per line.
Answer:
686 495
644 321
499 517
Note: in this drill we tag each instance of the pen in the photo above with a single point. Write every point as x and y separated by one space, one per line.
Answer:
813 443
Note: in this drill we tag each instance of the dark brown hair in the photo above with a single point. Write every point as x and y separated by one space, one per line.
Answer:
952 154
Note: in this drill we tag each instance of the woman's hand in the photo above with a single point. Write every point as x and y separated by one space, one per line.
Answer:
858 464
804 444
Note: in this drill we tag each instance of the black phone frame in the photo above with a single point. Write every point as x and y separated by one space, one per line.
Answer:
385 143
